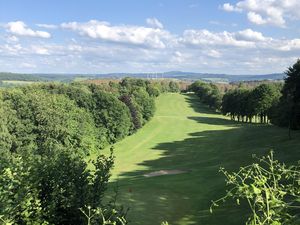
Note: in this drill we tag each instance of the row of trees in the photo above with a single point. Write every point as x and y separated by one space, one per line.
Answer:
278 103
240 103
46 132
246 105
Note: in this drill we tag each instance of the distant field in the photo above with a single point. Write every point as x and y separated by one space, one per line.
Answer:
78 79
17 82
101 81
184 135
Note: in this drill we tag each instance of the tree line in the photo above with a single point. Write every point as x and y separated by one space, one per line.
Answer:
46 132
275 102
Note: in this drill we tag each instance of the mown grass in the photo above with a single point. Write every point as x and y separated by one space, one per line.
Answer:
185 135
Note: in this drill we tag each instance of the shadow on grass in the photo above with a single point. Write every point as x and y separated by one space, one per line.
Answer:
195 104
185 198
214 121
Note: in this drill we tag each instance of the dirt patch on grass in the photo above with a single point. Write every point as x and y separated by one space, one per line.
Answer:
164 172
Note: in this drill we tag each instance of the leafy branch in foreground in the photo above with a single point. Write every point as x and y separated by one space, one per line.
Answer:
270 188
103 216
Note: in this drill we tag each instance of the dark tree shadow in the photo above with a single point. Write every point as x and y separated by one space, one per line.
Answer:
214 121
187 197
195 104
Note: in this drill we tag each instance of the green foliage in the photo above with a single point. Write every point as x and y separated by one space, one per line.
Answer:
263 98
8 121
108 216
173 86
76 116
67 185
146 104
270 188
46 131
139 95
131 83
19 200
80 93
237 103
113 114
136 116
244 104
208 93
153 90
50 190
287 112
49 121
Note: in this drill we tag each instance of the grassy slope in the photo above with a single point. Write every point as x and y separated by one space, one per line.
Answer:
185 135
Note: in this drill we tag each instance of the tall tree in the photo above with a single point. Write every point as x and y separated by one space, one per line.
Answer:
263 98
287 112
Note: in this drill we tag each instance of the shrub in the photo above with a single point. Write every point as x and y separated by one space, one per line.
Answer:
270 188
50 190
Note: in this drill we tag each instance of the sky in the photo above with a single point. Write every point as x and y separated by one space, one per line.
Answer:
100 36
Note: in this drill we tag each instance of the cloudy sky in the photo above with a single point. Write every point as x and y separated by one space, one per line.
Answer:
99 36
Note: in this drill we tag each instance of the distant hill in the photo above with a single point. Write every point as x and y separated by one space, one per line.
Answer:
4 76
196 76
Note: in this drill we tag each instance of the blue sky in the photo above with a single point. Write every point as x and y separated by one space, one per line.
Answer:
234 37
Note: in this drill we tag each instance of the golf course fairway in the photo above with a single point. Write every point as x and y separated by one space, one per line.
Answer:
188 137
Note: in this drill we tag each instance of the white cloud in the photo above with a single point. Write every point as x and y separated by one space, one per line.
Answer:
19 28
272 12
12 38
127 48
28 65
230 8
11 49
127 34
250 35
205 37
155 23
214 53
178 57
287 45
40 50
47 26
239 46
256 18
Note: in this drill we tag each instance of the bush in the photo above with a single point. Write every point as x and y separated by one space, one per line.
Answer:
208 93
173 86
270 188
47 121
50 190
110 112
146 104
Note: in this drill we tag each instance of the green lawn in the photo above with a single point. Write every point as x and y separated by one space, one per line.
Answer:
187 136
